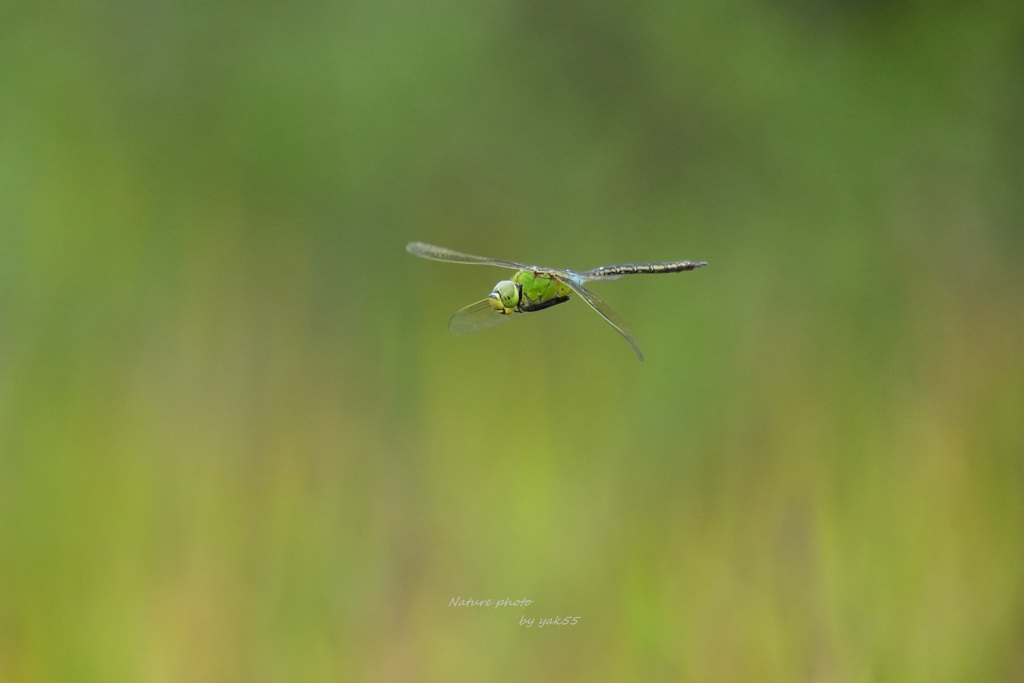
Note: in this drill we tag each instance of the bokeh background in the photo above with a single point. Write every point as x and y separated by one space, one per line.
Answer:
238 443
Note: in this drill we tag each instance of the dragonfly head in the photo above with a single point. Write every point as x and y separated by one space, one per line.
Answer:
505 297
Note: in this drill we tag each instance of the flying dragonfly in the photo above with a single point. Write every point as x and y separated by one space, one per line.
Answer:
533 289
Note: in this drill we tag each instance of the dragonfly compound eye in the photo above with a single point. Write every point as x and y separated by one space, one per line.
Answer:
508 293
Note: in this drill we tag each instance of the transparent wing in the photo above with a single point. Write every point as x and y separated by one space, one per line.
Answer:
429 251
476 317
598 304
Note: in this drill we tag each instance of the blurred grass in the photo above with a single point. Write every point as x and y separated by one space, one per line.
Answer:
238 443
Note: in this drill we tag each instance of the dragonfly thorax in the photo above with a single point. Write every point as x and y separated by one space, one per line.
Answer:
537 288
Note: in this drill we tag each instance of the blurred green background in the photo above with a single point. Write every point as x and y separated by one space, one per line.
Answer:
238 443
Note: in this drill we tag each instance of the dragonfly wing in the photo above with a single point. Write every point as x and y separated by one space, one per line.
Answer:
604 310
429 251
476 317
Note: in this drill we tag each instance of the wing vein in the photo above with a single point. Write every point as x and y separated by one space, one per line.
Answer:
434 253
600 307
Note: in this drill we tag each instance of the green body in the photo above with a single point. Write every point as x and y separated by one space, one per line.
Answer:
538 288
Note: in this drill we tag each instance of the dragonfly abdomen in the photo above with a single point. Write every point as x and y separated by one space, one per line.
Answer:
634 268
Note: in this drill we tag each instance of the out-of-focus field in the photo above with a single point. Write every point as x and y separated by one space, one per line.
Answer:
238 443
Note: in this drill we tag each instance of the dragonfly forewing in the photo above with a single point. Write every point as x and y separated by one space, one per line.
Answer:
429 251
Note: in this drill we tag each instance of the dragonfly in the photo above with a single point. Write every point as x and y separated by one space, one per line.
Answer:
533 289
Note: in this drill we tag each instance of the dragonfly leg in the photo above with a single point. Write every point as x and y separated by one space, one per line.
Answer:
532 308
